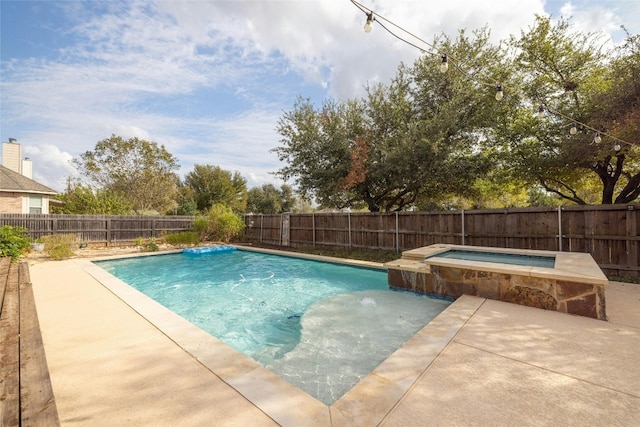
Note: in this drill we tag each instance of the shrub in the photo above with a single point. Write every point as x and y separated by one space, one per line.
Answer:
201 227
229 226
219 224
13 242
59 246
182 238
152 246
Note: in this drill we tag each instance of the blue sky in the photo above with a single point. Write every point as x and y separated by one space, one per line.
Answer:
210 79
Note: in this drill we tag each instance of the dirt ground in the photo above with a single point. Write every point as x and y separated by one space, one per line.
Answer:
97 251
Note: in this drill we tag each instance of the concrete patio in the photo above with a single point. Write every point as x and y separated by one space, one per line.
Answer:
481 362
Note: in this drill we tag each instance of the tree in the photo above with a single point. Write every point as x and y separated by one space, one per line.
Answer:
413 140
209 185
269 200
571 76
186 201
140 171
80 199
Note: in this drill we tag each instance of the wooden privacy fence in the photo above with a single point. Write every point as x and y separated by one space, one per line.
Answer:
608 232
103 229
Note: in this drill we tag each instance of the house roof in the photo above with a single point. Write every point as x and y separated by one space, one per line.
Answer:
16 183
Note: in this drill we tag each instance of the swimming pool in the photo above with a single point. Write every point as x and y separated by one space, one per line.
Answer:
320 326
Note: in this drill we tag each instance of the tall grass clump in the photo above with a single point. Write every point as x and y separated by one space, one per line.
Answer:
59 246
182 238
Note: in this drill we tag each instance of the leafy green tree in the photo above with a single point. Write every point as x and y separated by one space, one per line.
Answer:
269 200
81 199
406 143
186 201
539 197
210 185
142 172
573 79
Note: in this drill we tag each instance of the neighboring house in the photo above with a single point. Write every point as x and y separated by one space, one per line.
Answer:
19 193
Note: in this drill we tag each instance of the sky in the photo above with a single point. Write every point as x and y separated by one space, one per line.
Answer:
209 80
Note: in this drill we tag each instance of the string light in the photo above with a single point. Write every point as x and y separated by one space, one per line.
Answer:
367 25
444 67
597 138
616 146
598 134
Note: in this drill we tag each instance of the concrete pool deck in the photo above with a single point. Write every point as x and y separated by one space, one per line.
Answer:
481 362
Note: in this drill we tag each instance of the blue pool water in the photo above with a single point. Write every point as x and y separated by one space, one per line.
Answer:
499 258
320 326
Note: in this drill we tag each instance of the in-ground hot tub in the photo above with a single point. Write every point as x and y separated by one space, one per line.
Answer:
568 282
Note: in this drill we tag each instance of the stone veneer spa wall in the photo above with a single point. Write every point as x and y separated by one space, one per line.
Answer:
575 285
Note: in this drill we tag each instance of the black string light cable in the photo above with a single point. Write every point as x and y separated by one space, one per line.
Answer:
446 58
447 61
597 134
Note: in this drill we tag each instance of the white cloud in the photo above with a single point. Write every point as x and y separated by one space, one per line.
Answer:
606 17
209 80
48 161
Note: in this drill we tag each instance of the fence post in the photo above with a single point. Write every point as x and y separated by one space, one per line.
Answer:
631 243
313 229
349 220
261 222
286 229
559 229
397 235
463 232
108 234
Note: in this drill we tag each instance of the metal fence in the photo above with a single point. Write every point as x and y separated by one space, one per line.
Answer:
99 229
608 232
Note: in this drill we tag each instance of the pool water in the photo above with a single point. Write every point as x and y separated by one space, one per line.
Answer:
320 326
498 257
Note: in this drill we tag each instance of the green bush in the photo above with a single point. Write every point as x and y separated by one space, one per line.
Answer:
182 238
201 227
59 246
219 224
13 242
229 226
152 246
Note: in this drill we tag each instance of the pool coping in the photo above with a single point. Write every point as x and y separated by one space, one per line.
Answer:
368 402
570 266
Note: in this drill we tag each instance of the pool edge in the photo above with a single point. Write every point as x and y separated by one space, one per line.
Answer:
367 402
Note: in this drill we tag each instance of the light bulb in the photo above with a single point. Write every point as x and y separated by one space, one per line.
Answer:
499 92
541 111
597 139
573 129
616 146
444 66
367 25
